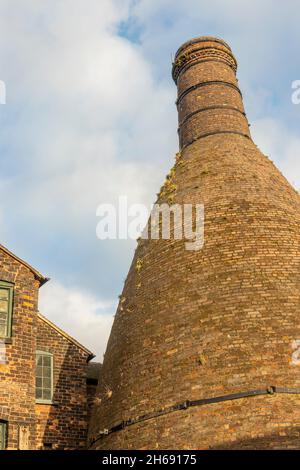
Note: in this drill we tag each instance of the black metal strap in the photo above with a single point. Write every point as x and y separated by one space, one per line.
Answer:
214 133
208 83
208 108
271 390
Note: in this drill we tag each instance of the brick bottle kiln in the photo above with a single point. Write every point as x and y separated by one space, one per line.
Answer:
203 350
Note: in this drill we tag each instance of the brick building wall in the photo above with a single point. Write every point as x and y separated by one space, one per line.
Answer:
30 425
17 375
197 325
63 424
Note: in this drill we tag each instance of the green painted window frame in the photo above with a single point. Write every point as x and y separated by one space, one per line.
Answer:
10 288
3 434
43 400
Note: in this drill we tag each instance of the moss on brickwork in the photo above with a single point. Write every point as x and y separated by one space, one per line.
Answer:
220 320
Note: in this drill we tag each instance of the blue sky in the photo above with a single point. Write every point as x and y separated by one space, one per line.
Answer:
90 115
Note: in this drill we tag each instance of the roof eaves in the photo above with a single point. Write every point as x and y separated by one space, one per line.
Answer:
42 279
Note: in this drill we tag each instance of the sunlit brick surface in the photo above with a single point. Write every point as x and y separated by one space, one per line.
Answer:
222 320
63 424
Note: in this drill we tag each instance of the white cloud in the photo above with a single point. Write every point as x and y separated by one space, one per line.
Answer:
91 116
264 41
92 122
281 145
82 315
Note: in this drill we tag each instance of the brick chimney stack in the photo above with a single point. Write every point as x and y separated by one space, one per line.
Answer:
209 99
204 352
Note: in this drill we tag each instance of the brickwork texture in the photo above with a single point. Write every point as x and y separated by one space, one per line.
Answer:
17 375
194 325
63 423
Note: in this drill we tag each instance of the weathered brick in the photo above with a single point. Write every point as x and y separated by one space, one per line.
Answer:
235 302
64 423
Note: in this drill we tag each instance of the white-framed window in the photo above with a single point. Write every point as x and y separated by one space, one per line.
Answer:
6 307
44 377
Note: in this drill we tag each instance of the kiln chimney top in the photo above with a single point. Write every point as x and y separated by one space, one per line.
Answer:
202 48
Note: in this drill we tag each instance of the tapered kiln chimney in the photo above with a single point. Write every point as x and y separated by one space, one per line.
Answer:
203 352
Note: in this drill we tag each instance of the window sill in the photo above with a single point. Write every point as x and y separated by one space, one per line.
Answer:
45 402
6 340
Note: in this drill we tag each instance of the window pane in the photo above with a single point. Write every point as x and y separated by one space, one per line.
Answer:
47 361
39 360
38 393
39 372
2 330
3 324
39 382
47 383
46 371
47 394
3 306
4 293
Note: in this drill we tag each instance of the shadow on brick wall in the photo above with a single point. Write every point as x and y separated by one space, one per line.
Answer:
63 424
285 438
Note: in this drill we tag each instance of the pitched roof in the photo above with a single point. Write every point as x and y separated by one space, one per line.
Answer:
42 279
67 336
